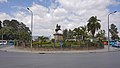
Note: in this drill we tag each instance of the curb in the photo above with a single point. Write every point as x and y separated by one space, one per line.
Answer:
60 52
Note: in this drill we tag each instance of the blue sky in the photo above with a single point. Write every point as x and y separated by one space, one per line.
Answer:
68 13
8 7
114 7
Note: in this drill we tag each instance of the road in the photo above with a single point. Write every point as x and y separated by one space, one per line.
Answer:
2 46
85 60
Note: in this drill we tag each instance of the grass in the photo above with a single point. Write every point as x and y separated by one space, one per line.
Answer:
73 45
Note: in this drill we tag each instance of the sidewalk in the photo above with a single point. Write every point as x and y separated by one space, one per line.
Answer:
12 49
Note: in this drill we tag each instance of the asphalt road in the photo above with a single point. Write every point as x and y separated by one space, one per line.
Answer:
85 60
2 46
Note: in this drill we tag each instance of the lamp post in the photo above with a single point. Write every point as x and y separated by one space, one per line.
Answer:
108 28
31 25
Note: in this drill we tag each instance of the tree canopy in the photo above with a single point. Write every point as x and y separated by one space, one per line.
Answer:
14 30
114 33
93 25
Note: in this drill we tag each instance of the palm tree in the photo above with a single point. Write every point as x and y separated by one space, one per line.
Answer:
81 31
101 34
84 33
93 25
42 39
76 33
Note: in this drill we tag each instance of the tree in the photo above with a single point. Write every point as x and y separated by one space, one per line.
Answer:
14 30
93 25
114 32
65 34
83 30
101 34
0 24
70 34
42 39
6 23
6 31
76 32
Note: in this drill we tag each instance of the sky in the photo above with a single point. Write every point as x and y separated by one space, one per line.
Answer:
67 13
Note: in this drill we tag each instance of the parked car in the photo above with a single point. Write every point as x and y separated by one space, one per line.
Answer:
112 42
10 42
3 42
117 44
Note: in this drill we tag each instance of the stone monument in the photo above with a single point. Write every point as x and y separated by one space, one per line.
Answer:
58 35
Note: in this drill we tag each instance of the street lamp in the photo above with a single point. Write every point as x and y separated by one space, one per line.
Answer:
31 25
108 28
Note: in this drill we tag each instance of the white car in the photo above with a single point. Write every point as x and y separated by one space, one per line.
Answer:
4 42
117 44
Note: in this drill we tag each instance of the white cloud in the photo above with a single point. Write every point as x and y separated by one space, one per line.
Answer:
2 1
69 14
39 10
4 16
81 10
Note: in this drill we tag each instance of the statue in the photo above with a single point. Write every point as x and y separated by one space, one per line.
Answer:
57 28
58 35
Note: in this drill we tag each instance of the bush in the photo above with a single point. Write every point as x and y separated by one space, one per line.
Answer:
38 44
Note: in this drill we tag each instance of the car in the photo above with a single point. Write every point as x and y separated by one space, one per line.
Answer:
112 42
116 44
3 42
10 43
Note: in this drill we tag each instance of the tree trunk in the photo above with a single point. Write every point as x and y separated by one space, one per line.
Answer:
41 44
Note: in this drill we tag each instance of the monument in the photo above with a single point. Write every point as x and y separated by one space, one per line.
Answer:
58 35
